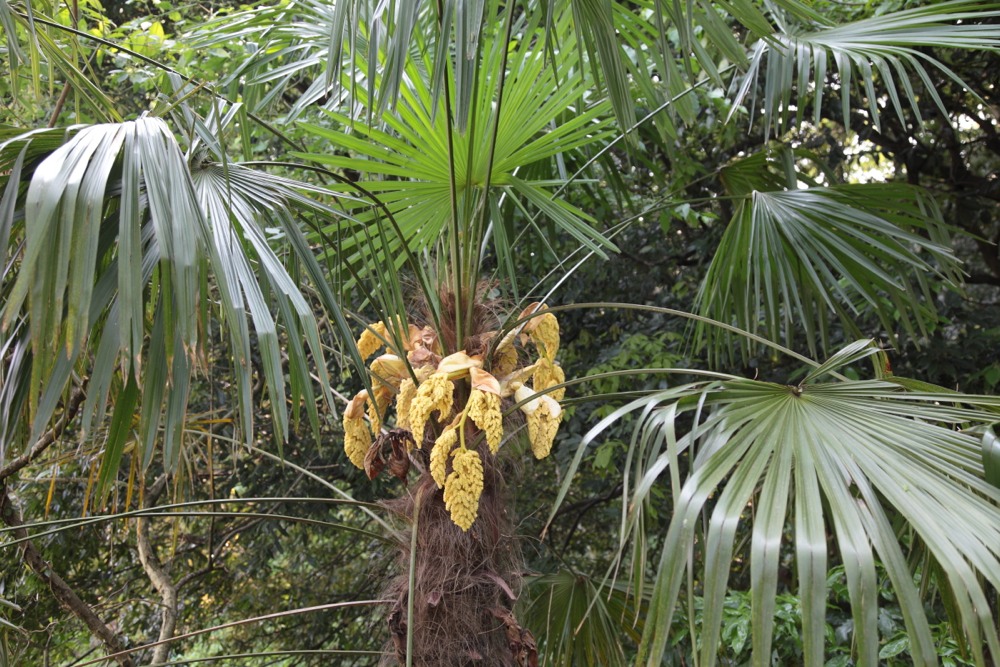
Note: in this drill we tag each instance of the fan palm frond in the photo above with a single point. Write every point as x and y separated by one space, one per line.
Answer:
114 238
854 456
889 51
580 622
432 177
790 258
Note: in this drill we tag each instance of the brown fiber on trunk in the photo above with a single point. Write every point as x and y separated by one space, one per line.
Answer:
466 583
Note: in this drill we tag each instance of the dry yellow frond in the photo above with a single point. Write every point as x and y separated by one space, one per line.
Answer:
440 453
372 339
484 409
434 393
463 488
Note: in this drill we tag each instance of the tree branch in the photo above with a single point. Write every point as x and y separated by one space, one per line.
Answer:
66 596
164 585
159 577
582 507
43 443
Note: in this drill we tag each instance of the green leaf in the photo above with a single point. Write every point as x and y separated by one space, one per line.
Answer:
120 228
409 157
853 454
580 620
594 18
894 648
791 259
861 349
118 435
795 59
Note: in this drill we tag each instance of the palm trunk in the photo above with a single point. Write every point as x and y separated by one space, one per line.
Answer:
465 583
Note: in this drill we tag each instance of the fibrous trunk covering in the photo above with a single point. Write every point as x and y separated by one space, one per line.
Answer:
466 582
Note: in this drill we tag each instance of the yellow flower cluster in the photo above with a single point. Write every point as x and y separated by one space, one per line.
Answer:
357 437
543 414
435 393
504 359
423 382
463 487
544 333
484 409
387 371
376 408
372 339
542 427
440 453
546 375
407 390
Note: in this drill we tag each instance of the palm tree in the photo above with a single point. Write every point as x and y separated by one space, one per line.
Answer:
118 239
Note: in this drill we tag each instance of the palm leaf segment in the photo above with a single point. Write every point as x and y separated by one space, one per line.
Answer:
804 254
856 456
427 172
890 50
118 201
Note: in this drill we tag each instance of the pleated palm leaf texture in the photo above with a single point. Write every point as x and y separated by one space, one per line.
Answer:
118 241
820 470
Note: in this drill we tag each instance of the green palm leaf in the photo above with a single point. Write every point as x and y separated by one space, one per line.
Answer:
889 50
307 38
112 227
425 171
40 36
790 259
853 455
579 622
